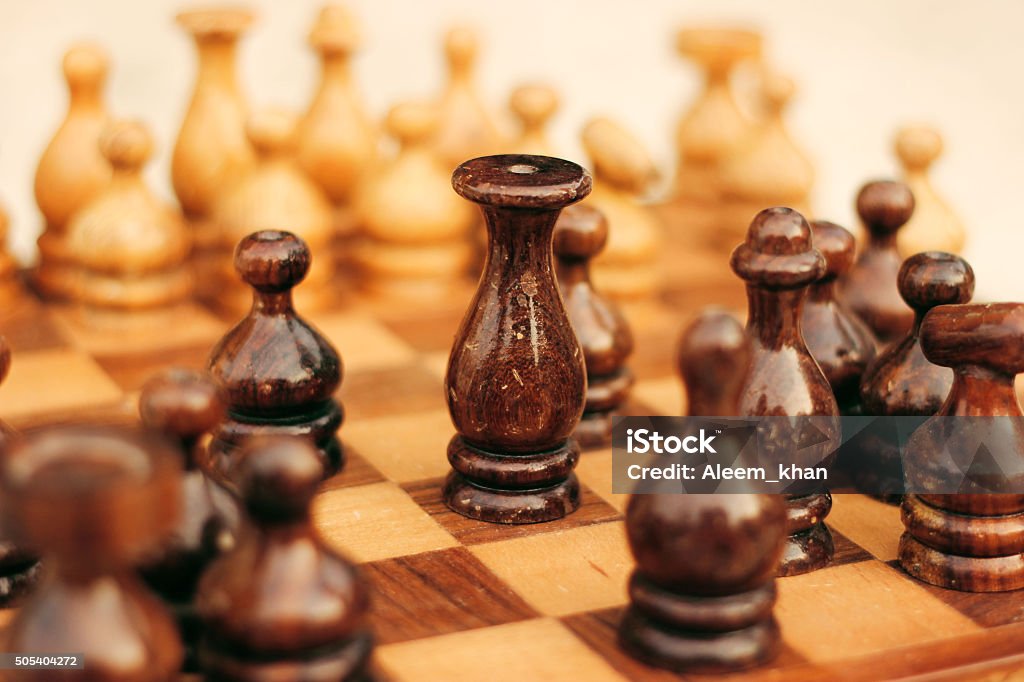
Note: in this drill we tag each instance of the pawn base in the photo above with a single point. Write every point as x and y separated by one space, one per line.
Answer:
964 573
347 662
807 551
511 506
698 652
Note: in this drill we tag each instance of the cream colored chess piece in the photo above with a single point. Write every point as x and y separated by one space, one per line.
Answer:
934 225
623 172
129 249
533 105
713 128
212 148
273 195
769 170
415 243
71 170
466 129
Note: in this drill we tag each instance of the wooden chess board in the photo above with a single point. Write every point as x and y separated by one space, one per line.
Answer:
456 599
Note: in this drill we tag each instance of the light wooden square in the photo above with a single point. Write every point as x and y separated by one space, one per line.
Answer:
595 471
872 524
377 521
364 344
581 569
404 448
54 380
539 650
861 608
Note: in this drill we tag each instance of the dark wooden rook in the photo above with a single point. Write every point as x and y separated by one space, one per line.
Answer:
277 372
282 605
840 342
702 594
184 405
580 234
869 288
94 501
778 261
972 542
516 382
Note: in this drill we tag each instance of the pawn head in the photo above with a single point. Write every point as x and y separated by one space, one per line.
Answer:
533 104
617 156
412 121
127 145
885 206
272 261
917 146
335 31
183 403
935 278
460 47
279 478
714 358
778 251
271 130
836 244
85 64
989 335
580 233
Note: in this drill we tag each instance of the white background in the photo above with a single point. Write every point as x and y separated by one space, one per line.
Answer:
862 68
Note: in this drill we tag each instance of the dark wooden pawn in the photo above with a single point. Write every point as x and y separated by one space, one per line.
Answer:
516 382
971 542
580 234
869 288
94 501
840 342
902 381
702 594
184 405
19 568
282 605
778 261
277 372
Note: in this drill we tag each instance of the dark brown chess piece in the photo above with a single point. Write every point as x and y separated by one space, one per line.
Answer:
840 342
580 234
282 605
971 542
19 569
516 382
869 288
702 594
184 406
277 372
778 261
93 501
902 381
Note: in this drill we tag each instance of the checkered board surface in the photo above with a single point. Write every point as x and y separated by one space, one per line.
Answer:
456 599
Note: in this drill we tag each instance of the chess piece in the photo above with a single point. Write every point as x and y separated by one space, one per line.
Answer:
714 127
902 381
533 106
623 172
841 344
11 290
971 541
869 288
273 195
466 129
276 371
702 594
183 405
767 170
282 605
778 261
128 251
934 226
93 501
19 569
516 381
415 242
212 148
603 333
71 171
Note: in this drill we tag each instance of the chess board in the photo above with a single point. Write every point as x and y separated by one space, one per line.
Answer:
456 599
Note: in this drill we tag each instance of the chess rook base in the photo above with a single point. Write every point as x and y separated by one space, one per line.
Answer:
348 662
700 634
809 545
513 488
